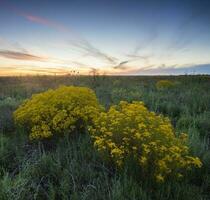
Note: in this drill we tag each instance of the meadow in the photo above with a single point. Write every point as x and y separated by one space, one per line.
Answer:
71 168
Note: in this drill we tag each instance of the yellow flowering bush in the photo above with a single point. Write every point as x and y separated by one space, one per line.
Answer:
165 84
57 111
129 131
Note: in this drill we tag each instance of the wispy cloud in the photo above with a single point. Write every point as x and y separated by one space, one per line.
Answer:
168 70
21 56
87 49
181 40
44 21
146 42
37 19
80 43
136 54
8 44
126 64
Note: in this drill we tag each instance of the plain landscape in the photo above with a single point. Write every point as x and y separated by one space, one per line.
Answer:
70 166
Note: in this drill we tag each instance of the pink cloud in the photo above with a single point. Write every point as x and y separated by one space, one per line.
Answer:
39 20
46 22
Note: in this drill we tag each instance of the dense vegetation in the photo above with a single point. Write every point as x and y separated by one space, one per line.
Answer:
130 136
57 112
72 168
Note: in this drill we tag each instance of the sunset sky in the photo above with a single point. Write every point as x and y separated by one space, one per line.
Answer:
132 37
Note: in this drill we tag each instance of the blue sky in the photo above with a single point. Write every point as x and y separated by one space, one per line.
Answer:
114 37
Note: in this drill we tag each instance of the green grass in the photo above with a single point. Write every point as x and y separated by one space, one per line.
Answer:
72 169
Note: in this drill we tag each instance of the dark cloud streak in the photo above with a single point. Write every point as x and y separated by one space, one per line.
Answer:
20 56
122 65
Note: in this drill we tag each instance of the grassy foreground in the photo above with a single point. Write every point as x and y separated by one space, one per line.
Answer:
72 169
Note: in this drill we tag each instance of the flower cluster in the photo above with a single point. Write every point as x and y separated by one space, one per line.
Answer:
165 84
129 131
57 111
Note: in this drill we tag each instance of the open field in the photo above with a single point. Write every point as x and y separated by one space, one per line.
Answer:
70 168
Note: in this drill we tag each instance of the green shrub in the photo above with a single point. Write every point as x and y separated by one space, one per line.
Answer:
130 132
56 112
